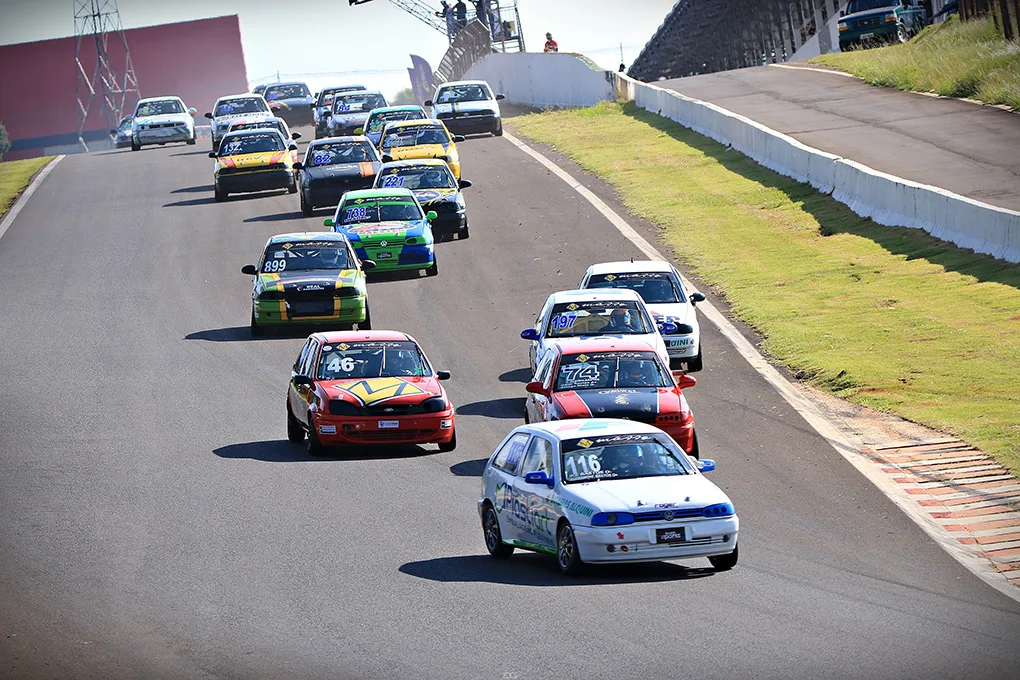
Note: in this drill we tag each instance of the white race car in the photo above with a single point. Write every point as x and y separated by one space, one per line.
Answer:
578 314
603 490
662 289
468 107
159 120
249 106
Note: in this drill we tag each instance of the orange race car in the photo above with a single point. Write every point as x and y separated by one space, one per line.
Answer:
352 388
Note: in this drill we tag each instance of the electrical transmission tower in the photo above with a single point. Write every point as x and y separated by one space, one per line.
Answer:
96 21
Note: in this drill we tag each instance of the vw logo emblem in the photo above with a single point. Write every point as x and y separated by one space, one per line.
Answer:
383 244
669 515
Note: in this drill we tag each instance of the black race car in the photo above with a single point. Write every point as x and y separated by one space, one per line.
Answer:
290 101
433 184
333 166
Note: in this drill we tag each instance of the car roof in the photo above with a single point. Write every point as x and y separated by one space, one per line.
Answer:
307 236
348 138
594 294
627 267
379 193
363 91
414 122
417 162
333 88
259 120
401 107
363 336
288 82
243 95
464 82
252 131
597 427
598 344
168 97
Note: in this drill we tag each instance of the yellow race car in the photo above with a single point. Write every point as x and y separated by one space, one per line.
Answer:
407 139
253 160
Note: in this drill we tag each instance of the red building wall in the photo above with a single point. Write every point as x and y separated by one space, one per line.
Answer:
197 60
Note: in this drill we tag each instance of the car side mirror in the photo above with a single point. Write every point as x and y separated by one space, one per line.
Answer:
192 111
685 381
328 222
368 264
208 115
535 387
250 270
431 215
295 135
386 158
539 477
667 328
312 105
359 131
212 154
459 138
292 146
465 183
500 97
428 102
298 165
113 132
443 375
697 297
529 334
301 380
705 465
842 12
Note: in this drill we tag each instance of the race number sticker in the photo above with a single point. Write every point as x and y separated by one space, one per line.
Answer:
390 181
322 158
355 214
338 364
563 322
275 265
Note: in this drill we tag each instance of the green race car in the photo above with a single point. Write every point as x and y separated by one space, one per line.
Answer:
389 227
310 278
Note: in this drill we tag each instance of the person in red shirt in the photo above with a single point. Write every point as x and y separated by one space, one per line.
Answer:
550 44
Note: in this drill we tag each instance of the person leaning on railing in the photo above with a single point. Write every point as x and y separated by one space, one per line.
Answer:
550 44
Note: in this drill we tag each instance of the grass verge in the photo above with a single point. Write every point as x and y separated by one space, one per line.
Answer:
954 59
887 317
14 177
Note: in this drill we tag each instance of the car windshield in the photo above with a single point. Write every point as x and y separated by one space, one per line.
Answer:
356 102
377 121
607 370
293 90
864 5
327 95
417 177
260 125
336 153
348 360
302 256
383 209
251 142
624 456
462 93
598 317
158 108
243 105
414 135
653 287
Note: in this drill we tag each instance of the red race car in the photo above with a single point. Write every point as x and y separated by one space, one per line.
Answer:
353 388
612 378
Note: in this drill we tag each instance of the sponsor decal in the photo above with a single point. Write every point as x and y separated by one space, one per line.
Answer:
377 390
584 443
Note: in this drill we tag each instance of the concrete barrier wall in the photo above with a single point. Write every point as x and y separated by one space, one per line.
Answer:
544 80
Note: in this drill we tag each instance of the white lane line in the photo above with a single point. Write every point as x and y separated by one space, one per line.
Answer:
23 198
848 446
816 70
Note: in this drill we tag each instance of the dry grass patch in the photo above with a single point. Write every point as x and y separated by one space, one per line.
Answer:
14 177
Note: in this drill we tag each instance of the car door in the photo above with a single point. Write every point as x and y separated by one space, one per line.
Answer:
499 482
300 396
537 347
537 404
536 510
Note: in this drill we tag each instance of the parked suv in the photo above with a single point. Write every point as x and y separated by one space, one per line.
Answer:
871 21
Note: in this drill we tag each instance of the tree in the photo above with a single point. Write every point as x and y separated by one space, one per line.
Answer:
5 142
405 96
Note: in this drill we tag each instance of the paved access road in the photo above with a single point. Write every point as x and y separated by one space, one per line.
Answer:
157 524
968 149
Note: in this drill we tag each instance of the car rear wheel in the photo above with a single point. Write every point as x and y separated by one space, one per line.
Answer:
493 536
696 364
725 562
450 445
434 269
567 555
257 331
295 433
191 141
315 447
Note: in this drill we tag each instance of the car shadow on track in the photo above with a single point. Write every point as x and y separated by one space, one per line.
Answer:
528 569
510 408
205 200
521 375
243 334
276 217
469 468
282 451
203 152
200 189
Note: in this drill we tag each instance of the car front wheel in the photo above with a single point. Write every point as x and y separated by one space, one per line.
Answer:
434 269
450 445
725 562
306 207
315 447
295 433
567 555
493 536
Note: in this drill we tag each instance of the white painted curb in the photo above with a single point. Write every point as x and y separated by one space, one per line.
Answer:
26 194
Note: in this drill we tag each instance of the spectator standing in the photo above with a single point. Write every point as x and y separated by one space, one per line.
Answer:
447 14
460 11
550 44
482 12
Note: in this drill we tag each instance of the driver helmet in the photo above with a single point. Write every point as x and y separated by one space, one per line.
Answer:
402 362
620 317
432 178
330 257
639 371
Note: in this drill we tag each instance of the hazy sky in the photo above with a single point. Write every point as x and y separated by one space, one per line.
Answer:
303 38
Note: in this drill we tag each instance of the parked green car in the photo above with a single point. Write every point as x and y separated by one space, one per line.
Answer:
309 278
873 21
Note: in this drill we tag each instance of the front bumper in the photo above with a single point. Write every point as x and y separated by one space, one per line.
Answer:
331 194
430 428
882 32
409 257
343 129
255 180
705 538
470 124
289 313
448 222
162 135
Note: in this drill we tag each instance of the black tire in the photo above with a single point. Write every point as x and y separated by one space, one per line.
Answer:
725 562
315 447
464 232
695 451
257 331
295 433
450 445
527 418
567 556
220 196
434 269
366 325
306 207
902 34
191 141
292 188
135 147
493 536
696 364
498 132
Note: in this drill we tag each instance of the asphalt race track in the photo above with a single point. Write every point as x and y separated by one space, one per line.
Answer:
157 524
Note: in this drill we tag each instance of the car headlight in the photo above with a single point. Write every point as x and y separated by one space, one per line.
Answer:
611 519
719 510
434 405
889 18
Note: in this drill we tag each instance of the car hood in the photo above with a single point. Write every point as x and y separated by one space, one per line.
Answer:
228 118
421 151
617 402
427 196
647 494
867 14
163 118
291 102
383 231
343 170
376 391
466 107
679 312
349 118
308 281
250 160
